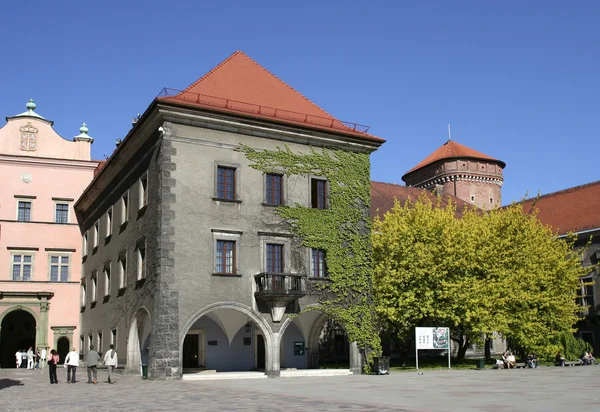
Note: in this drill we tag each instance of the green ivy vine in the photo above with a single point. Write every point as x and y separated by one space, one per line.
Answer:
343 230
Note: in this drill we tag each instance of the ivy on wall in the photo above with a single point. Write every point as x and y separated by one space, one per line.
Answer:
343 231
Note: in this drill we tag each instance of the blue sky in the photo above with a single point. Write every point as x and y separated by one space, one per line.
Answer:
519 81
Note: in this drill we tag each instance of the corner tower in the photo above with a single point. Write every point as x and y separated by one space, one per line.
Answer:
454 169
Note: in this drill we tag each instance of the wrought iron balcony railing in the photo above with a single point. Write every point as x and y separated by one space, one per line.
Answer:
280 286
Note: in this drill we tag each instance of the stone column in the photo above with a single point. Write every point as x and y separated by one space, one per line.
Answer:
356 361
42 339
272 365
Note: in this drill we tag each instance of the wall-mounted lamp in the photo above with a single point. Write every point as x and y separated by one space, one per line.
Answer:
247 327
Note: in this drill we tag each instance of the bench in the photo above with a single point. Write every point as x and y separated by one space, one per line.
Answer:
518 365
574 363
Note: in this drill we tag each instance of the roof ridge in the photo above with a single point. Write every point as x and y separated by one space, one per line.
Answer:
266 70
567 190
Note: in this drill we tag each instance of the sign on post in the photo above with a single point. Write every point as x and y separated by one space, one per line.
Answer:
432 338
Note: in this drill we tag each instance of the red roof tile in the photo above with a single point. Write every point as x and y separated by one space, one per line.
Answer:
452 150
571 210
99 167
241 85
384 194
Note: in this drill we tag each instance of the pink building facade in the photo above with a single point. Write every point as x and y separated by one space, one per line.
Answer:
42 175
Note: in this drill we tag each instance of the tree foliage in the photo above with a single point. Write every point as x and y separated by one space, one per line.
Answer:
497 271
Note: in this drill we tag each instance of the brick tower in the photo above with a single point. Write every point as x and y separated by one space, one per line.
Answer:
454 169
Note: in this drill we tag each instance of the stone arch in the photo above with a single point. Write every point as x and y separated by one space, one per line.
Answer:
19 307
8 345
271 350
140 329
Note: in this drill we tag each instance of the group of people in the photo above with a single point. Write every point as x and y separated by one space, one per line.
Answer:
92 360
509 360
29 359
587 358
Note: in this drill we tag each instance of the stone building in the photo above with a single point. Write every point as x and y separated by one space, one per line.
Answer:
456 170
40 242
186 265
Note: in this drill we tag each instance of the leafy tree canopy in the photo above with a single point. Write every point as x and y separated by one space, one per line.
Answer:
497 271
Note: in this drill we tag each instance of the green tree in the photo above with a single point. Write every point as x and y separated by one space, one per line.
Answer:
497 271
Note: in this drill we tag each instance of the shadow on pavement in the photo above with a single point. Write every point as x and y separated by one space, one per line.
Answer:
6 383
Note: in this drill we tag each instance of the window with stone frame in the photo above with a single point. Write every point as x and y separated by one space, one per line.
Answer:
122 266
274 258
83 293
84 245
585 294
141 260
124 207
61 213
143 189
94 279
225 257
95 234
107 279
109 221
226 183
24 211
318 264
318 194
99 341
273 189
21 266
59 267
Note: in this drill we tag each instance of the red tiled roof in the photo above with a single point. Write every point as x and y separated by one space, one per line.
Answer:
384 194
99 167
241 85
452 150
571 210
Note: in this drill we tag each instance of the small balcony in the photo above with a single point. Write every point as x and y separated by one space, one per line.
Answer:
279 287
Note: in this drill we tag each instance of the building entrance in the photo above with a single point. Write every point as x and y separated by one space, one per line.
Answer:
17 333
62 349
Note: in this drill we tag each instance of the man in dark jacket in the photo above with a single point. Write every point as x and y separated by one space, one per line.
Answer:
92 360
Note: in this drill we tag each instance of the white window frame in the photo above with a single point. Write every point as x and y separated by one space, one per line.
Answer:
109 222
96 234
141 269
124 207
122 268
94 279
83 292
60 255
99 339
84 245
106 275
21 253
143 191
113 337
90 341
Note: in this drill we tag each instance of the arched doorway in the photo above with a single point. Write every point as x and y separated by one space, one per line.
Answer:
63 348
138 344
226 337
17 333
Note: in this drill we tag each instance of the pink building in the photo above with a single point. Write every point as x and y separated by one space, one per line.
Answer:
42 175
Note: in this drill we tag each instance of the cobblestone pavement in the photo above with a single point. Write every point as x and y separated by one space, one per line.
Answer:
543 389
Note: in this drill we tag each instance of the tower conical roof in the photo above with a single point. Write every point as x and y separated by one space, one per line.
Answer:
241 85
453 150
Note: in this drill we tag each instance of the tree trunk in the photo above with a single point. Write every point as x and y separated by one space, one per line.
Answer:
488 352
462 349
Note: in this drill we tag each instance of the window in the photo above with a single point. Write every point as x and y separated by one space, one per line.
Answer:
143 190
586 296
113 337
85 244
21 266
62 213
318 193
107 279
24 211
109 216
90 341
318 265
95 235
81 344
472 198
225 258
83 293
274 258
94 286
122 269
226 183
124 207
273 189
99 346
59 268
141 261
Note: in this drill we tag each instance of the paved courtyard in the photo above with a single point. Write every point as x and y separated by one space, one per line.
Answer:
543 389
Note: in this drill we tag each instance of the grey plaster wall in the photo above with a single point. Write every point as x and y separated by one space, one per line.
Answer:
289 359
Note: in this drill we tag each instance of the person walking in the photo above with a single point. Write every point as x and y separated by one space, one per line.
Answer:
110 360
18 358
43 358
37 359
52 362
30 358
92 360
71 362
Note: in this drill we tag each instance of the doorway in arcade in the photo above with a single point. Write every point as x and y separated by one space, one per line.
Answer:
17 332
224 340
